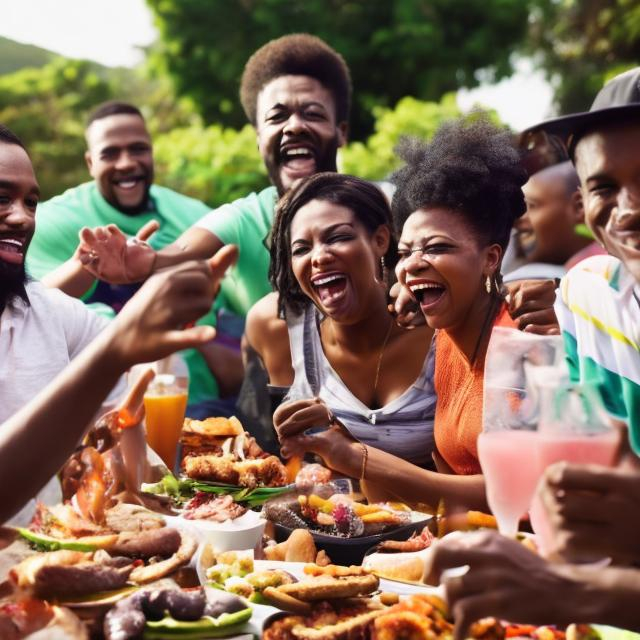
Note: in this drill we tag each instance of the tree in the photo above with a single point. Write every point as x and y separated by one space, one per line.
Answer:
423 48
582 43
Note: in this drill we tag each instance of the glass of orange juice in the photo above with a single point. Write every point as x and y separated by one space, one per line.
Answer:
165 402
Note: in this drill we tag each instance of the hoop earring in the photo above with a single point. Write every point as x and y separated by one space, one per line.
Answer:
487 284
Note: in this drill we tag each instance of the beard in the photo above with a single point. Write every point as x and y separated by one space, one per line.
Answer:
325 161
13 278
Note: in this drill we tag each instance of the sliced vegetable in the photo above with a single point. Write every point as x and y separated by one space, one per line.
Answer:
43 542
207 627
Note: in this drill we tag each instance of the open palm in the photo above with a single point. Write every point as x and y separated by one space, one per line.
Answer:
109 255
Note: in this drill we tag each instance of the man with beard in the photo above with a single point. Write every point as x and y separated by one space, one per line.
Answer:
296 92
119 157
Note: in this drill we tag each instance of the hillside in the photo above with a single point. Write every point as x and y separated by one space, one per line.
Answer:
15 55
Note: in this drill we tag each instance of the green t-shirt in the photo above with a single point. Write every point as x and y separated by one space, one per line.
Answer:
246 223
58 222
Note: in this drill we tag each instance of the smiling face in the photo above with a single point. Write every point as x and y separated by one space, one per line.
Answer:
608 164
444 266
336 260
120 159
19 195
297 130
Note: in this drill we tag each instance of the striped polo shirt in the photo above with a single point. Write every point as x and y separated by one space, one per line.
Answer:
599 313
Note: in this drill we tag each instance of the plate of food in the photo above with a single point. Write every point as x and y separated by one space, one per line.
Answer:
343 528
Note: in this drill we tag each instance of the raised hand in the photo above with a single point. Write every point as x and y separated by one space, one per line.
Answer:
109 255
404 307
152 324
530 303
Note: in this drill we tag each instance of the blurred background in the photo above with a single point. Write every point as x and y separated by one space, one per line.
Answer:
414 63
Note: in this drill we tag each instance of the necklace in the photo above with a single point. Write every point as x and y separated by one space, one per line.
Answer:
384 345
487 319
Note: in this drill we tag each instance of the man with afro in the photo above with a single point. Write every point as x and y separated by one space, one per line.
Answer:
296 92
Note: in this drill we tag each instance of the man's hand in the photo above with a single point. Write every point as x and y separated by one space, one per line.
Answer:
109 255
404 307
593 511
334 444
151 325
530 303
505 580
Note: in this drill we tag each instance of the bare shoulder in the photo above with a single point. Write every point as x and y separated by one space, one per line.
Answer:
263 324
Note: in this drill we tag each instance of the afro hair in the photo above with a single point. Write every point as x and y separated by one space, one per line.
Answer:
296 54
471 167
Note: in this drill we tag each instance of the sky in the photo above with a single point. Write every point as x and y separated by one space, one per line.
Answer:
112 31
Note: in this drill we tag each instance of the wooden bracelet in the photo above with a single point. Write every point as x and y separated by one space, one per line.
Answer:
365 456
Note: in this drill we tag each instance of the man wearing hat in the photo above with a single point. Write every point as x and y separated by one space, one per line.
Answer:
592 510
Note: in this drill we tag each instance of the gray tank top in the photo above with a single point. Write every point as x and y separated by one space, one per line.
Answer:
404 427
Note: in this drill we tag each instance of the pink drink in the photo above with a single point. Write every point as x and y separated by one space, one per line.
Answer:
597 449
511 472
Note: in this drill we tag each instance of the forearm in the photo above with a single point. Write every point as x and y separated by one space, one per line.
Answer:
607 596
226 366
35 442
70 277
193 244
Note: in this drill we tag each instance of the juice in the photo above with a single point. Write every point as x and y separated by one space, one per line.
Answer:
164 418
578 449
508 461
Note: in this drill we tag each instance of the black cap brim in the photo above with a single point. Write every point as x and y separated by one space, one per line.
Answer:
572 127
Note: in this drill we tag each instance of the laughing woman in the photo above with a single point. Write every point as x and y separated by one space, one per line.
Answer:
456 201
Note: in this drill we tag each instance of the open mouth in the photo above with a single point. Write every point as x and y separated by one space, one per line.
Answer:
428 294
329 287
12 250
298 158
130 182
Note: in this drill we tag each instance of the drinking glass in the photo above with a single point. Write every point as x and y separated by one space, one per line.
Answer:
516 362
574 427
165 403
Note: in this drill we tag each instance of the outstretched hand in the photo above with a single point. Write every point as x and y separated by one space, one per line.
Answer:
152 324
505 580
109 255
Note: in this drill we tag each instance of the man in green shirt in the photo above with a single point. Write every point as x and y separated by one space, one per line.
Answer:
296 92
120 160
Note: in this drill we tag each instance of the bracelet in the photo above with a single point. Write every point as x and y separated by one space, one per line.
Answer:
365 456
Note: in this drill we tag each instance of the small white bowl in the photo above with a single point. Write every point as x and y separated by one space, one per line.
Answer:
242 533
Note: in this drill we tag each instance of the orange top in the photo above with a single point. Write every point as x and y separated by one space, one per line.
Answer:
459 388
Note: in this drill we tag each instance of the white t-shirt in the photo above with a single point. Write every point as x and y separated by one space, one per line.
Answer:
38 341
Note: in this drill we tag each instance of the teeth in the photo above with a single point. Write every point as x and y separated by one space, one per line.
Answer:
298 152
12 241
418 287
321 281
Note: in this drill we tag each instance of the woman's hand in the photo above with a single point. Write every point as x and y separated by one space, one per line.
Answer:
109 255
593 511
404 307
334 445
530 303
505 580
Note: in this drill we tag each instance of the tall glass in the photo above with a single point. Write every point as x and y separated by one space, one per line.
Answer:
574 427
515 363
165 403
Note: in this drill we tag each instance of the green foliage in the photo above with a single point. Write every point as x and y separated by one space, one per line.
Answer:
214 164
581 44
423 48
15 56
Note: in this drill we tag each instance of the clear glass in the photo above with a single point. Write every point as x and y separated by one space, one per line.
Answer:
165 403
516 363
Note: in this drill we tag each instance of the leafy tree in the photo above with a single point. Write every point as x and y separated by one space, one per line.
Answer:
583 43
423 48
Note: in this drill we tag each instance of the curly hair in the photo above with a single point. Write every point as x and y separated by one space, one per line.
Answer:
471 167
365 199
296 54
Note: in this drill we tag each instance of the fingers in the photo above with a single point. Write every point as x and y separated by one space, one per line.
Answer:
222 260
297 446
179 339
543 330
148 230
315 415
286 410
568 477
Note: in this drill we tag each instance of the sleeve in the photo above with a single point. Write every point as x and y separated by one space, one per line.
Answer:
568 329
53 243
223 222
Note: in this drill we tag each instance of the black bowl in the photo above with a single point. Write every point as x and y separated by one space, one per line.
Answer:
349 551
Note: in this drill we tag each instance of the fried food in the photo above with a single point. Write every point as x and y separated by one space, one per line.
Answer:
284 601
405 624
256 472
335 570
327 587
157 570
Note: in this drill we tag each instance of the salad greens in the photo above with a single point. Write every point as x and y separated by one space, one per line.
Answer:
181 490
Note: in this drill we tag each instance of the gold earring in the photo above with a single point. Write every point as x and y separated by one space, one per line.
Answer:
487 284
